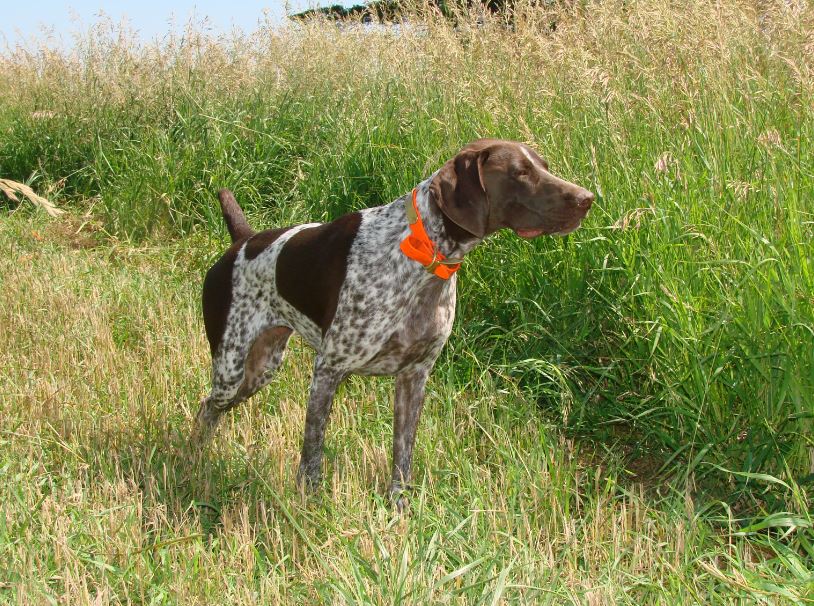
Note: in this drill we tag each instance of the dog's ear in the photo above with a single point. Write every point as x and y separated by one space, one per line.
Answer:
461 194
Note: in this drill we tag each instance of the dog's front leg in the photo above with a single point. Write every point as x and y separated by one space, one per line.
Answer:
323 387
407 407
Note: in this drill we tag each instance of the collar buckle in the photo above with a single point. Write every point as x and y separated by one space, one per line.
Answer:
434 263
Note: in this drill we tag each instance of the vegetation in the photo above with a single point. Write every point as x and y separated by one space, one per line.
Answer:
623 415
390 11
384 11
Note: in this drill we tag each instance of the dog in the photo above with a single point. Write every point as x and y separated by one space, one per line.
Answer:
373 292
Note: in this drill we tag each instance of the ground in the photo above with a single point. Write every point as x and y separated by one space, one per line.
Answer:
102 363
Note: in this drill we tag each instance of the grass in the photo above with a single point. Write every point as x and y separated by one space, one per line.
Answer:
623 415
103 504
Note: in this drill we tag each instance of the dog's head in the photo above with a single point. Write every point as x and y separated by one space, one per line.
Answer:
493 184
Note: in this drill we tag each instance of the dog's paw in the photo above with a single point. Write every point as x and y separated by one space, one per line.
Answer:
309 479
400 498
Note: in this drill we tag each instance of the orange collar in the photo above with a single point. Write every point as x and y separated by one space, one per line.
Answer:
419 247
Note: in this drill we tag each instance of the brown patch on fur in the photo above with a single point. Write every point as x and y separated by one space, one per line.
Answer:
312 265
260 242
453 230
217 295
270 343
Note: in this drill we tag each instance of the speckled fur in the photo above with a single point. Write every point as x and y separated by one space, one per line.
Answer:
392 318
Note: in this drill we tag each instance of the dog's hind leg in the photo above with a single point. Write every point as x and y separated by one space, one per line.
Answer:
265 356
237 374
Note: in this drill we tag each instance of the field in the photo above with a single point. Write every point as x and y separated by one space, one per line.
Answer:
620 416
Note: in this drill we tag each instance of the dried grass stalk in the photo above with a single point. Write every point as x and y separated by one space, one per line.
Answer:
12 188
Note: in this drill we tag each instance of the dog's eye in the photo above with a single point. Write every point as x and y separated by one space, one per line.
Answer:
521 172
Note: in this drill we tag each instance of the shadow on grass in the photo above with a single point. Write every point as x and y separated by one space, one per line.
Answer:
184 481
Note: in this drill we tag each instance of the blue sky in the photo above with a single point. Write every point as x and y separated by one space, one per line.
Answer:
25 20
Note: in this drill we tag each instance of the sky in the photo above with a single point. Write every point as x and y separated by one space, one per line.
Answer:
34 19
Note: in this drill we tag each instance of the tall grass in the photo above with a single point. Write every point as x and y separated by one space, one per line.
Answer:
676 327
102 362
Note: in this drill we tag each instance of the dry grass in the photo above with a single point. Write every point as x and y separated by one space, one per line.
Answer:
12 188
103 363
676 326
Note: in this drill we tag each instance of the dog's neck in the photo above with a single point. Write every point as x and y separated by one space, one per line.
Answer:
451 240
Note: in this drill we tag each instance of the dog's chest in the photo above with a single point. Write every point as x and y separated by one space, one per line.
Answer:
416 334
391 313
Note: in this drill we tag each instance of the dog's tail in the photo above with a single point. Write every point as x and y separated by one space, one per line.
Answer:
233 215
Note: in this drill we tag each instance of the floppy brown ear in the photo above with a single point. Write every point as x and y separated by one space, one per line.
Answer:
462 196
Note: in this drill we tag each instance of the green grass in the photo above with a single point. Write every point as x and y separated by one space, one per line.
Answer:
101 500
621 415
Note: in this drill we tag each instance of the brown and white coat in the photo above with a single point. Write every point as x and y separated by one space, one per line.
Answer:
350 292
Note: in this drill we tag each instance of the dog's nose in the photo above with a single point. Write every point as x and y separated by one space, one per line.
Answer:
585 199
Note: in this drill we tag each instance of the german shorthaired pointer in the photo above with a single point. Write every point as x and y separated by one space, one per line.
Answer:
373 292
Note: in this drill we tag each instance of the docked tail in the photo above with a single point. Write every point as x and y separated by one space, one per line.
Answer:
233 215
